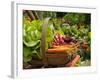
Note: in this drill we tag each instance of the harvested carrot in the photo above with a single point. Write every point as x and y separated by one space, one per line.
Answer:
54 50
76 59
73 62
60 48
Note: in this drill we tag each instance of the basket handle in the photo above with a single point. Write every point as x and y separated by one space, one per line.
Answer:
43 41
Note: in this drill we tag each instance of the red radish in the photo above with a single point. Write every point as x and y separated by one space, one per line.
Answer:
62 41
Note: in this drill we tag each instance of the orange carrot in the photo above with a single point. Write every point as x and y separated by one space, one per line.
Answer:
54 50
73 62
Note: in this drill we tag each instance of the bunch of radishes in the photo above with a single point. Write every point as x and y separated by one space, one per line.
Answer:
62 39
58 39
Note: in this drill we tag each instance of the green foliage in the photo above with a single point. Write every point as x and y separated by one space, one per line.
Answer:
57 26
82 33
75 18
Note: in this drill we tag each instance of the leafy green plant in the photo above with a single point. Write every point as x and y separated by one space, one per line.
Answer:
32 39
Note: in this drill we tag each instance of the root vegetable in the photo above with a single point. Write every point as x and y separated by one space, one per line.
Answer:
73 62
57 50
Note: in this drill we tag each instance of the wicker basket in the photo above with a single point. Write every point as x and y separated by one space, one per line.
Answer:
54 58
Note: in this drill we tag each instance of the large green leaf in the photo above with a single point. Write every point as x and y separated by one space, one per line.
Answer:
32 43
